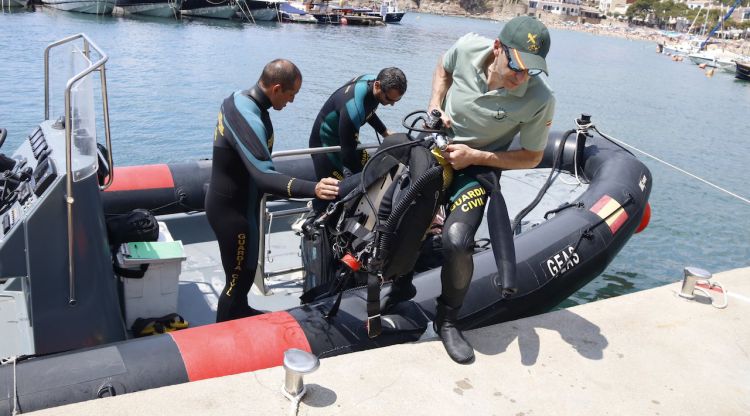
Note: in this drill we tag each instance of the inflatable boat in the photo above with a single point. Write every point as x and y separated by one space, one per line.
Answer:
65 312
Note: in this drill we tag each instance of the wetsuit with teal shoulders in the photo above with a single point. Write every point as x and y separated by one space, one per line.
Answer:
338 124
242 171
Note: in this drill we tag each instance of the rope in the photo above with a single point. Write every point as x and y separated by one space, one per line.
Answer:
173 6
743 199
247 13
13 360
294 400
712 285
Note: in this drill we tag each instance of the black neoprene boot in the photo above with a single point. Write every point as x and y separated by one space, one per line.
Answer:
402 289
453 340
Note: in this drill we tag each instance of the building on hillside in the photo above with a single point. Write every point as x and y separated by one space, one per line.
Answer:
559 7
697 4
614 6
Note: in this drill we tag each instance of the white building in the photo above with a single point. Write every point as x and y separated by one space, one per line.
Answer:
614 6
561 7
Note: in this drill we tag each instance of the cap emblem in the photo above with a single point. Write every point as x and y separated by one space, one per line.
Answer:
533 47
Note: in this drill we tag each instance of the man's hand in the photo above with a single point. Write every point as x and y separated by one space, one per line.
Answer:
327 188
460 155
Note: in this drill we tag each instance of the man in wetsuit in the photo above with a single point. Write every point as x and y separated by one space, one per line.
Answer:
242 171
348 109
487 91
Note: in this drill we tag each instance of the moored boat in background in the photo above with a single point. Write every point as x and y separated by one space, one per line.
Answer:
742 70
290 13
7 4
156 8
101 7
389 12
215 9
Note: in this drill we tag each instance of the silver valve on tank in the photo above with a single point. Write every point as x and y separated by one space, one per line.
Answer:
434 122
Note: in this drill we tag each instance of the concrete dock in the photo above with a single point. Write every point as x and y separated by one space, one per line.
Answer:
647 353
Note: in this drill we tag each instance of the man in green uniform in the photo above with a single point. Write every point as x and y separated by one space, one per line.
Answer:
488 91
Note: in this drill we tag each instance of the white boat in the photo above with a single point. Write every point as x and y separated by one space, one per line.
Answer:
389 12
157 8
715 58
683 48
82 6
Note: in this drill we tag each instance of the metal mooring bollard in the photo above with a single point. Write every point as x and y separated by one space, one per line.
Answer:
692 275
297 363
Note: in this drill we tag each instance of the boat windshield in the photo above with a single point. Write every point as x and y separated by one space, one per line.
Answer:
83 117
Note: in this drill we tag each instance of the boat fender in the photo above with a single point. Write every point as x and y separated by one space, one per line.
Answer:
645 219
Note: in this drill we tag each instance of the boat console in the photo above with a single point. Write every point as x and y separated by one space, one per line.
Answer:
57 288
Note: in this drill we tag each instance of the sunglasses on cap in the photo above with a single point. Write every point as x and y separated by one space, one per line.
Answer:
515 68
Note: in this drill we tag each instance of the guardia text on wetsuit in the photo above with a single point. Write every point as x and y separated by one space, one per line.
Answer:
338 124
242 171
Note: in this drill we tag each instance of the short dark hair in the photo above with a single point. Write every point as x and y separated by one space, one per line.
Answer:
392 79
280 71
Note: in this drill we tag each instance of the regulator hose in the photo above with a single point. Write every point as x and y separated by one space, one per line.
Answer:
386 236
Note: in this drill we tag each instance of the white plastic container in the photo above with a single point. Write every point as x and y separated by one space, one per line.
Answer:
155 294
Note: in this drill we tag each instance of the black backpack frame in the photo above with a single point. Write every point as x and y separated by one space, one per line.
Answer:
389 210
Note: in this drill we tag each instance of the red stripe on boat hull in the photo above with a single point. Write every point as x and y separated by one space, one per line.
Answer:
239 346
134 178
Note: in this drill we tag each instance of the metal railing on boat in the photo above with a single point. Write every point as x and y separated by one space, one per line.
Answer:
98 66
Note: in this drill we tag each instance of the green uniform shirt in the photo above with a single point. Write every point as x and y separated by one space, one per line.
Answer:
488 120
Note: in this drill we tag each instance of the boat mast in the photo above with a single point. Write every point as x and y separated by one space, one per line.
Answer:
696 18
716 27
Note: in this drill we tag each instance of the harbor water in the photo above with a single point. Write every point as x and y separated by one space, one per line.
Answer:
166 79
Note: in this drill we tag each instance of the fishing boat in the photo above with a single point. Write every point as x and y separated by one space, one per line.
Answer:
389 12
102 7
156 8
215 9
68 320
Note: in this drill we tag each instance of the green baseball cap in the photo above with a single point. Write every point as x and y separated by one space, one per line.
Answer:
529 42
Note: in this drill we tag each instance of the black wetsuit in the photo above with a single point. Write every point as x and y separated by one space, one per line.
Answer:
242 171
467 199
338 123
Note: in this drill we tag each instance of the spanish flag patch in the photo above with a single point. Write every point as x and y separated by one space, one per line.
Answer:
608 209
